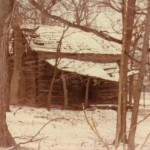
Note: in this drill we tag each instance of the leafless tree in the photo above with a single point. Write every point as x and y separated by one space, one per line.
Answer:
83 16
128 24
6 6
139 84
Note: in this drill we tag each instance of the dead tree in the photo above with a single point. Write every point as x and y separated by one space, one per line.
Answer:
139 84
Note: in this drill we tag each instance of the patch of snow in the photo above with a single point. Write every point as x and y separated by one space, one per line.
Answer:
105 71
71 130
133 72
74 41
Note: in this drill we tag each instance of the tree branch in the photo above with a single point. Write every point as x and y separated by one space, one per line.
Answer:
94 129
32 139
101 34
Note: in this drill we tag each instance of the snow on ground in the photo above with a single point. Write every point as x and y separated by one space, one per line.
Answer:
69 130
70 133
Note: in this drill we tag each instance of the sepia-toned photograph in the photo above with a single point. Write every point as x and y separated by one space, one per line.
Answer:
74 74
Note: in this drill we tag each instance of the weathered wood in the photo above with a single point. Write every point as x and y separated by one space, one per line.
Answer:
17 92
103 93
39 76
101 58
43 80
30 72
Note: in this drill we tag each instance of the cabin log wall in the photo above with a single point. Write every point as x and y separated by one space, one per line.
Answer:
104 93
30 65
43 82
38 74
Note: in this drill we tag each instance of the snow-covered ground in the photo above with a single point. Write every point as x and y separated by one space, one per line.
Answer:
69 130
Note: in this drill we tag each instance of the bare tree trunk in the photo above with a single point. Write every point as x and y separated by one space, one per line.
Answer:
49 99
139 85
128 21
130 90
44 18
65 90
55 69
5 13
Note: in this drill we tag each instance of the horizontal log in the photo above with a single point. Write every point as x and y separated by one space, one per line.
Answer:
101 58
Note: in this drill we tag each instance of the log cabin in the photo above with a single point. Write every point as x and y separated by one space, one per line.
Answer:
67 67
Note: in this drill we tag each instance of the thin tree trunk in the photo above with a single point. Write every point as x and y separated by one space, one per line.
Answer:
49 99
65 91
55 69
44 17
128 22
139 85
130 89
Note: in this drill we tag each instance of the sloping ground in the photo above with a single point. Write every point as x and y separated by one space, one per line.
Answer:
69 130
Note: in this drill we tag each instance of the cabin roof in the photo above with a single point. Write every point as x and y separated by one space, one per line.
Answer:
107 71
46 38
